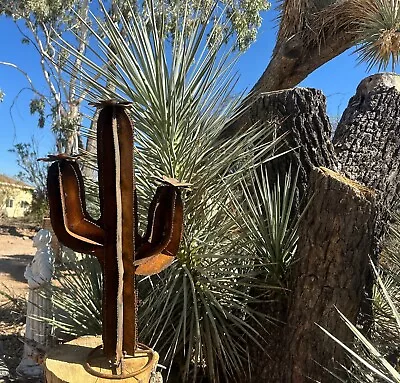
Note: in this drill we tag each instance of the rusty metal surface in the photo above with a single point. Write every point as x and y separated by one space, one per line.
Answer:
114 237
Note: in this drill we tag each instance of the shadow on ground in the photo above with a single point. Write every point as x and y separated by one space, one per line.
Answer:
14 266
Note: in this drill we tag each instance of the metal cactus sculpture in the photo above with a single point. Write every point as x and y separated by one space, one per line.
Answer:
114 237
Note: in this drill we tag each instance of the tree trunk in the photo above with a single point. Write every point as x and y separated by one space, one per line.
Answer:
343 225
294 59
300 115
367 142
335 240
367 139
311 33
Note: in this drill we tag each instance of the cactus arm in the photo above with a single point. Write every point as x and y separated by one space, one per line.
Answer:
164 232
116 191
71 222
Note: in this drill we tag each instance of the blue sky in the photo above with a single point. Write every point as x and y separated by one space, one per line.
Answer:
337 79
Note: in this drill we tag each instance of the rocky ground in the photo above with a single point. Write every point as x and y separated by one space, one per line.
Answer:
16 251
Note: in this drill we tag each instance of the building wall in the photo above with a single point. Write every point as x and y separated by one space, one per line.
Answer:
15 201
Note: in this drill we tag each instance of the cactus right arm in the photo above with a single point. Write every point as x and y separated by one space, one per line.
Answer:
160 244
71 223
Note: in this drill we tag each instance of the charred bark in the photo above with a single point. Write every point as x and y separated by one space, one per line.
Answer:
367 142
300 114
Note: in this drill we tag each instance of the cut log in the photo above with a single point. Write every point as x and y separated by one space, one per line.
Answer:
300 114
335 239
343 226
66 364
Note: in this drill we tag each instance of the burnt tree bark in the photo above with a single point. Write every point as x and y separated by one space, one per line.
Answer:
367 142
299 114
343 226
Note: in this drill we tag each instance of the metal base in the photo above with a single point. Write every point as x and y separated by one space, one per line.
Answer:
124 370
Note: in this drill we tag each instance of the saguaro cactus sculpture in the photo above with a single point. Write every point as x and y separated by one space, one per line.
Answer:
114 237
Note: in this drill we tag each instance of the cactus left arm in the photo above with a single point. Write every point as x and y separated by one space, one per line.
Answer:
71 222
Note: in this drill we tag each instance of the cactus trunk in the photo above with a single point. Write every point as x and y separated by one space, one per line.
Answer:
116 186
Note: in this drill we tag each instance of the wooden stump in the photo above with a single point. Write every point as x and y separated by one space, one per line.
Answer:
335 240
66 364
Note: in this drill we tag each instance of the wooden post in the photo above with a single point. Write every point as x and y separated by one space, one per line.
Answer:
66 364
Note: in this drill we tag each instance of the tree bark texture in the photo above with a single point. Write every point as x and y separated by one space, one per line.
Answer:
311 32
300 115
335 240
367 139
342 227
367 142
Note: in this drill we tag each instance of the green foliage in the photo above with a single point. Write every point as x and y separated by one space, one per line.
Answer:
76 293
36 106
34 173
246 20
264 215
43 23
234 20
42 10
377 24
2 94
39 208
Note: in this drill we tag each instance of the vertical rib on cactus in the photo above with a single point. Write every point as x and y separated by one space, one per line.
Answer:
116 191
112 237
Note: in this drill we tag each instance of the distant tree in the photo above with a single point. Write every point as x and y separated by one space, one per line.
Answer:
32 171
35 173
43 23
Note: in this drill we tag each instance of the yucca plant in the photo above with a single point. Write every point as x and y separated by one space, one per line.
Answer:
196 312
370 361
75 293
377 25
263 210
